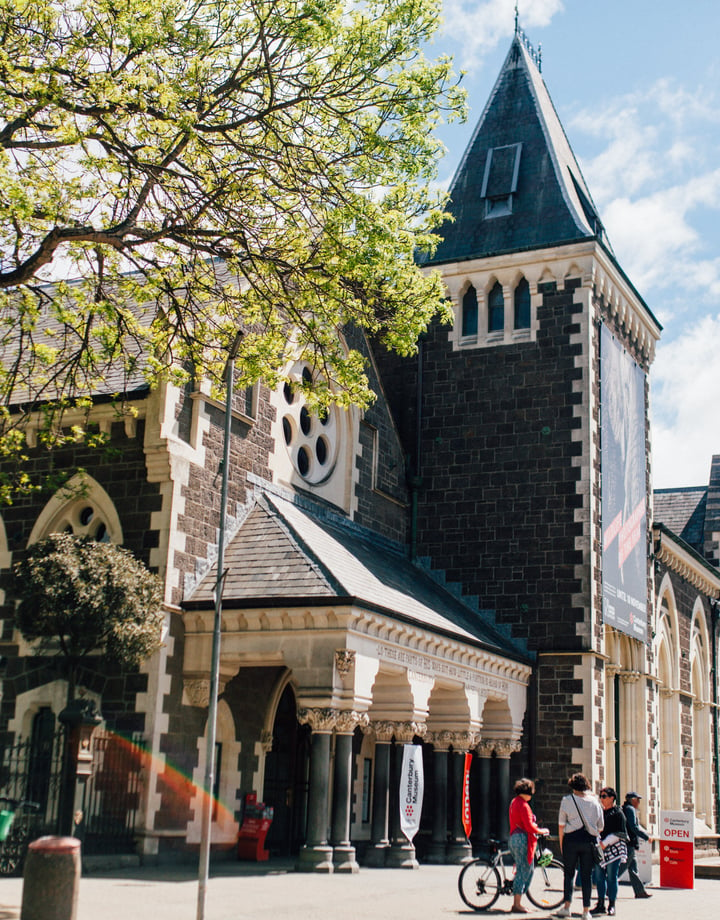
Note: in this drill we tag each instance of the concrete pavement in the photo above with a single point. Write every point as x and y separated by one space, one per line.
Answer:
241 891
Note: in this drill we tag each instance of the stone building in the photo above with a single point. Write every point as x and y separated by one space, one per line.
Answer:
471 564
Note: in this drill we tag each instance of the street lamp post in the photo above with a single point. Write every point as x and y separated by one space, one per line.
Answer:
209 780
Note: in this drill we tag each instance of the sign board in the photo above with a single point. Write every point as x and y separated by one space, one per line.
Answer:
644 857
412 785
677 849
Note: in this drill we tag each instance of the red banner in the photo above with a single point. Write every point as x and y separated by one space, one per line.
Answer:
467 823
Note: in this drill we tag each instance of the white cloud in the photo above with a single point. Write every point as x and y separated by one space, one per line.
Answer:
478 27
685 385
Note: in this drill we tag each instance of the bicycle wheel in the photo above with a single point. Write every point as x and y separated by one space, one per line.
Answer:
479 884
546 886
13 850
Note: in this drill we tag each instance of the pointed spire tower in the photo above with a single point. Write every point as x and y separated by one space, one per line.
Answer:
531 427
518 185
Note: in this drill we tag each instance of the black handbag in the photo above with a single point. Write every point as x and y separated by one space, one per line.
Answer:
598 853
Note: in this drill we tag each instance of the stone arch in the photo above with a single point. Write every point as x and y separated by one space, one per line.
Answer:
667 655
225 802
496 719
82 505
701 717
627 696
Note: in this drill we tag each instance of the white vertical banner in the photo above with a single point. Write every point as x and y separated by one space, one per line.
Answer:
412 786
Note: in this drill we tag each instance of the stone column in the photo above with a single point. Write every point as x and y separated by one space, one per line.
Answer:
343 852
316 855
379 839
503 750
458 849
441 742
485 813
401 854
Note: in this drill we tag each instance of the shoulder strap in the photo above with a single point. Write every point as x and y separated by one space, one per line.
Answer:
582 817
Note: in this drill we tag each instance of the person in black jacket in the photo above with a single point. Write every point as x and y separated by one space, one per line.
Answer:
635 834
613 839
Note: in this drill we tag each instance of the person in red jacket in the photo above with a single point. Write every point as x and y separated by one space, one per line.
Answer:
524 833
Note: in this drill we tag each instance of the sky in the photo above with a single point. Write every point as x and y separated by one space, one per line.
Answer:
637 87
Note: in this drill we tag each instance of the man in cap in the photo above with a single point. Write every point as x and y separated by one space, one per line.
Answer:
635 834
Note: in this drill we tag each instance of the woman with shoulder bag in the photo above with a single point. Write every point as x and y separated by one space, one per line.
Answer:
580 822
613 839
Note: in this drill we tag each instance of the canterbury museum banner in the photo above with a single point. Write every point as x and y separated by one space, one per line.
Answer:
624 489
412 785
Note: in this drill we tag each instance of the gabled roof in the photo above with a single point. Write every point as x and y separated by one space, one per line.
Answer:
518 185
683 512
284 555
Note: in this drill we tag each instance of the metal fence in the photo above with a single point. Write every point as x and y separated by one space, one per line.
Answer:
31 769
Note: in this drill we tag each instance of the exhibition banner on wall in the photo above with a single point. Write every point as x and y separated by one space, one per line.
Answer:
624 489
412 787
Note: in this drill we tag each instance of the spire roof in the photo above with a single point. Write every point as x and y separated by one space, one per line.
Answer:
518 185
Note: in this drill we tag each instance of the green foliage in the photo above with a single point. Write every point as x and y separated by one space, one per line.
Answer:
80 597
204 165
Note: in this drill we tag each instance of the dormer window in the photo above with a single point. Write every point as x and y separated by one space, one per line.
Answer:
500 179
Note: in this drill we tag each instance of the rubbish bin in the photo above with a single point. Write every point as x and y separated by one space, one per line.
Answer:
51 879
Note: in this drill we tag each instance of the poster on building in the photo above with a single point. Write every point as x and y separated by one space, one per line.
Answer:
412 787
624 489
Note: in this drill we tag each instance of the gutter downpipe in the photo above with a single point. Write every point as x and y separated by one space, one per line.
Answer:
414 478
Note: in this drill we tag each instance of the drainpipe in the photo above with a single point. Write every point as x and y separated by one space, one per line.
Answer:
414 477
714 605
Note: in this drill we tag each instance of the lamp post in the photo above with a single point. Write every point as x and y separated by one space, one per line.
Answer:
209 780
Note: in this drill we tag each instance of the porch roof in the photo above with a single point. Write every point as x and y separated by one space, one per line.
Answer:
285 555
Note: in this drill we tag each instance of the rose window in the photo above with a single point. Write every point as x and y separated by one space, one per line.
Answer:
311 438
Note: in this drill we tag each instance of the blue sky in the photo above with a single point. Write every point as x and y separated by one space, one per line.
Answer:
637 87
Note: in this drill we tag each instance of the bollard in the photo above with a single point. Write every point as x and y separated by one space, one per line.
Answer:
51 879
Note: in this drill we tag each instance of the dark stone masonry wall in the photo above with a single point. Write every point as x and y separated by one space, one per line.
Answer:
120 469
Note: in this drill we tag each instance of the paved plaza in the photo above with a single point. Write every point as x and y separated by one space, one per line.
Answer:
245 892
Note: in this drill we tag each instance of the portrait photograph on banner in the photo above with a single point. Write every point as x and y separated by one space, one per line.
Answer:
624 489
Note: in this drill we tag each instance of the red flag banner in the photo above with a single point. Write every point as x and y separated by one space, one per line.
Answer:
467 823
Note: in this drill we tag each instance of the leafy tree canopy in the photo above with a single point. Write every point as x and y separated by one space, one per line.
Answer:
207 165
80 597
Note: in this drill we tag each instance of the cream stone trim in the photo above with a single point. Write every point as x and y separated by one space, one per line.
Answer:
586 260
685 564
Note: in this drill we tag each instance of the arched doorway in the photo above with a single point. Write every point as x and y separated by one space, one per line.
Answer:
287 778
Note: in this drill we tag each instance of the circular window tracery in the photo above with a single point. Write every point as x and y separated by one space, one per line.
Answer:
84 520
311 438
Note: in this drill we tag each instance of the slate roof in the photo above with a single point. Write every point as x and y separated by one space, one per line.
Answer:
683 512
551 204
284 555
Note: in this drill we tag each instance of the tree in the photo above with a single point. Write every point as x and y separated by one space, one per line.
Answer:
202 166
80 598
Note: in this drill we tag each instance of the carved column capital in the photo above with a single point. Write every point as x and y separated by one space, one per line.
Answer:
629 677
266 740
460 741
404 732
196 691
348 720
485 747
322 721
504 748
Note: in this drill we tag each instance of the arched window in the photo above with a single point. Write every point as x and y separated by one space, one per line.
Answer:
470 312
496 309
522 305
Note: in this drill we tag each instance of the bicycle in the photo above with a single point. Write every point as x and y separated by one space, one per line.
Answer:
482 881
14 833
